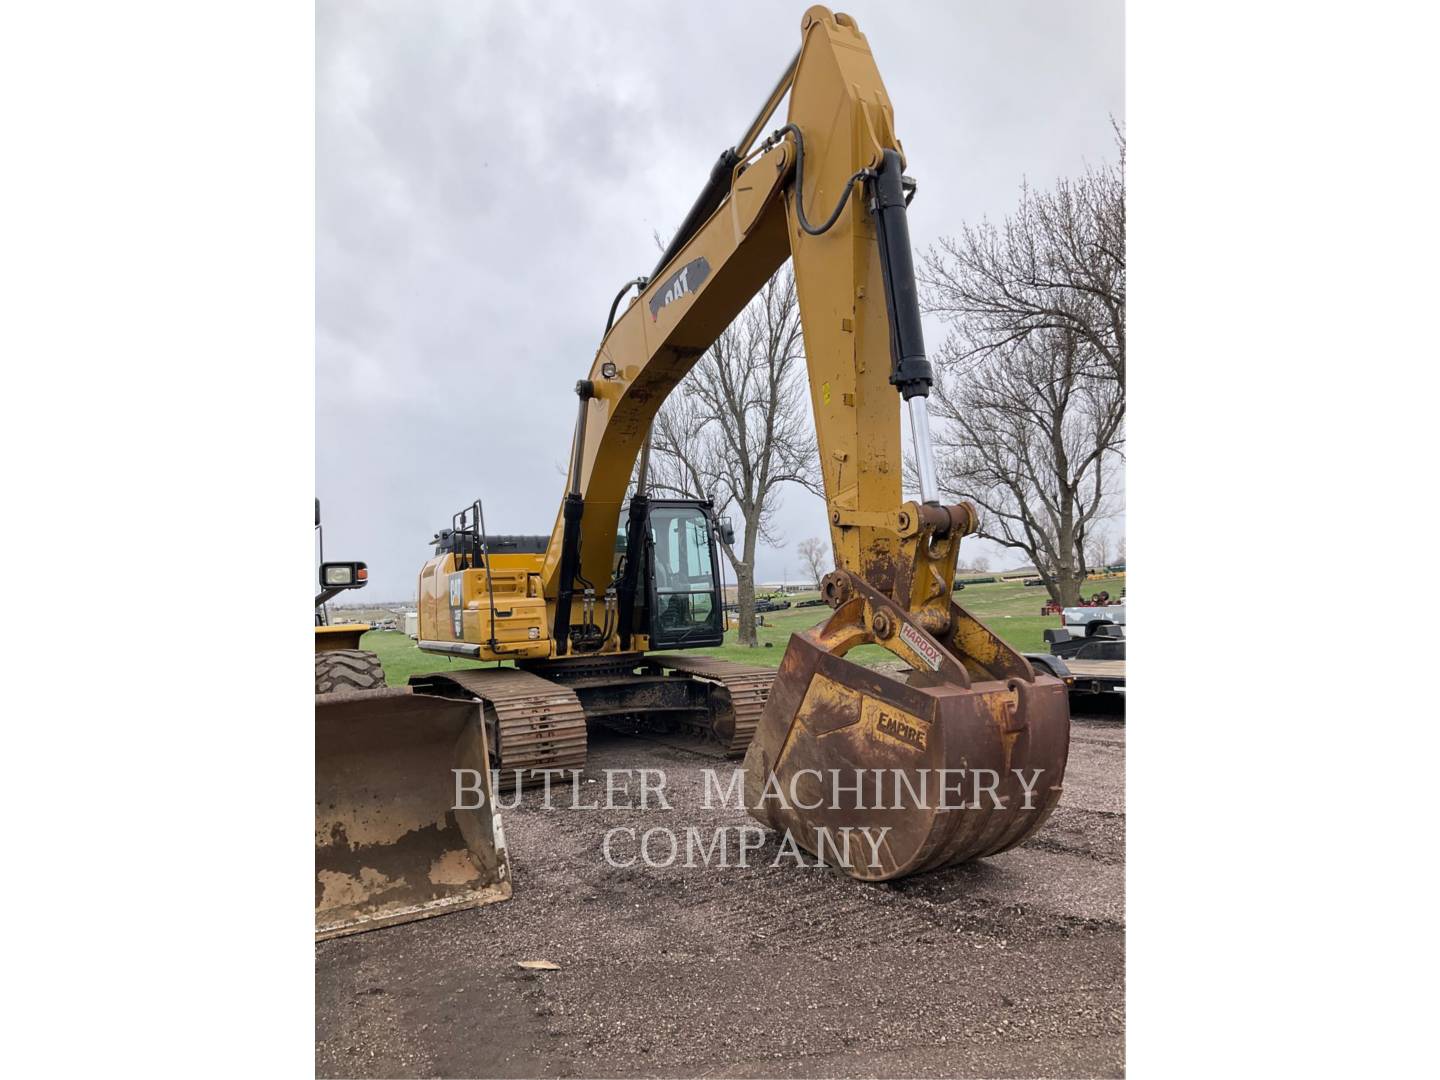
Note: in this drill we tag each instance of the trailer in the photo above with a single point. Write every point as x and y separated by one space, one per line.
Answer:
1087 677
1090 676
1092 662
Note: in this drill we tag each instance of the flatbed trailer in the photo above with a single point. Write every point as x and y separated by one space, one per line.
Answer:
1082 676
1095 676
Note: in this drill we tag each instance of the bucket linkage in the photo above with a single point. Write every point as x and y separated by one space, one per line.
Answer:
883 777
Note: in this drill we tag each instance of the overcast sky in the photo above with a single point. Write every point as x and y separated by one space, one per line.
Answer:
488 174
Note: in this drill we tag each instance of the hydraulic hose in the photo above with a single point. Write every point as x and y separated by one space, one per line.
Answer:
639 282
814 230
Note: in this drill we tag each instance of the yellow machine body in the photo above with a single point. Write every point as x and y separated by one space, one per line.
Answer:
501 603
339 636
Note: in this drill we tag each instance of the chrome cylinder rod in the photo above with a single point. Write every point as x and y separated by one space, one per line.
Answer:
924 449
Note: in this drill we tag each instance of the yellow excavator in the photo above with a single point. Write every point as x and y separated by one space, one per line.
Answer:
590 617
592 621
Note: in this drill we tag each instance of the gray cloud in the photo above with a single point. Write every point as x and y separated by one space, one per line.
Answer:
487 176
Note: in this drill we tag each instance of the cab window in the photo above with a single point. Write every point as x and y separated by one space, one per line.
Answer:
683 573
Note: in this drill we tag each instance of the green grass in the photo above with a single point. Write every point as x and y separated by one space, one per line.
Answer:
1008 608
400 657
775 635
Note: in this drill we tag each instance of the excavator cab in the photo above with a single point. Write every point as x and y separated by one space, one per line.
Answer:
684 604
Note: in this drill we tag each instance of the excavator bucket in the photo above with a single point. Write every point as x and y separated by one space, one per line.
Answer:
390 846
883 777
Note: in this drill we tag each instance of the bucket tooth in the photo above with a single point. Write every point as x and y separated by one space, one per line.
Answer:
954 751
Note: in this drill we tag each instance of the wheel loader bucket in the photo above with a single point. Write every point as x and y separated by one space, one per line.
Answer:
389 845
885 778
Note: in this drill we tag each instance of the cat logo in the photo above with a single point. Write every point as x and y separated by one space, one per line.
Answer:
681 283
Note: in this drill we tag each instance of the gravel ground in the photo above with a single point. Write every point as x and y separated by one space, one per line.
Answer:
1012 966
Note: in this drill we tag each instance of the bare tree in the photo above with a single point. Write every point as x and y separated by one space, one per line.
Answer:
980 565
1030 434
1099 551
738 427
1032 375
816 557
1056 265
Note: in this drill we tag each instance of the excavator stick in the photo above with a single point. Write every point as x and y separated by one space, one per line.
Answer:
888 778
390 847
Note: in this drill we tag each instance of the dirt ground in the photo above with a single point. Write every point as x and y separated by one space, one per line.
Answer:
1011 966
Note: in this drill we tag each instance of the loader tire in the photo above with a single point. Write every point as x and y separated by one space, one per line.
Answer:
347 670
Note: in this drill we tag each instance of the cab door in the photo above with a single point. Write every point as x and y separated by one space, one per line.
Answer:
683 588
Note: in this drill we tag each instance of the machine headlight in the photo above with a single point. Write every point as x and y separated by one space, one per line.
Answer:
339 575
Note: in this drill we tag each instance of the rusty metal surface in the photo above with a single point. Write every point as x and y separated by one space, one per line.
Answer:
737 699
971 704
389 848
643 696
925 572
533 724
